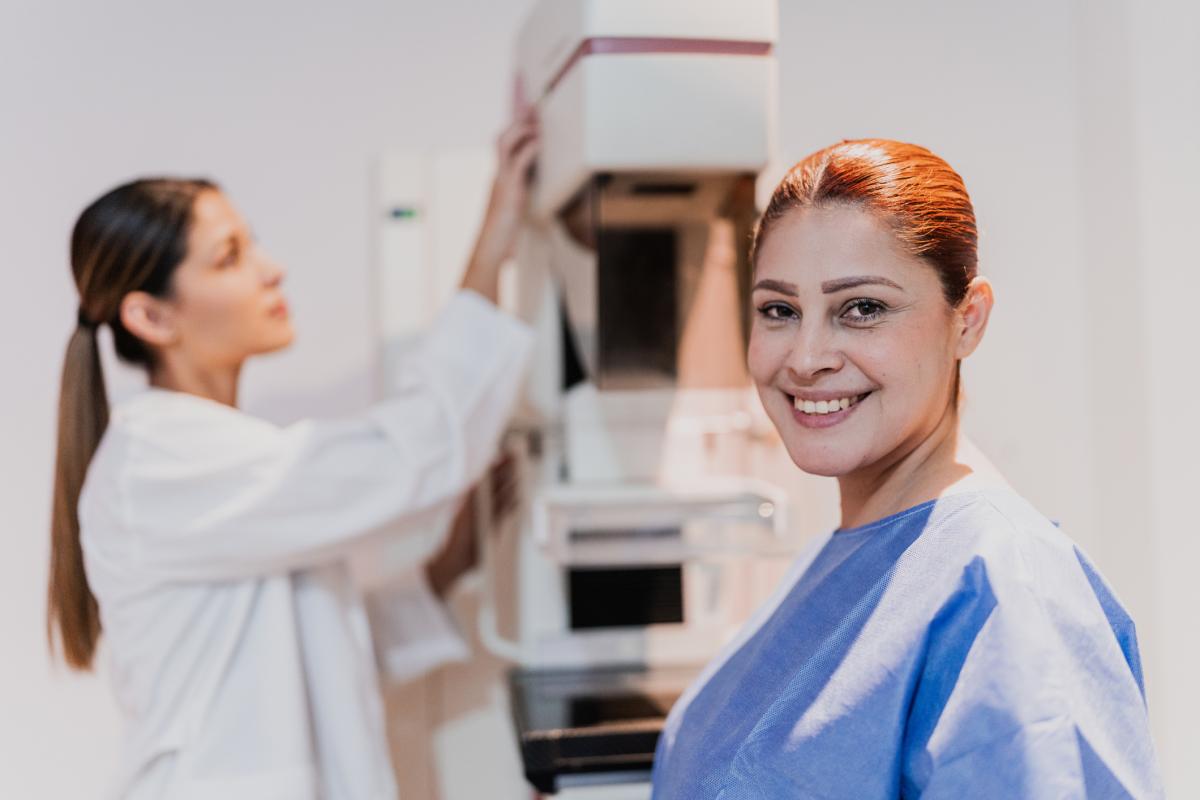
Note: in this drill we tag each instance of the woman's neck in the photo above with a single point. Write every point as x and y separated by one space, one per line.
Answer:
220 385
940 461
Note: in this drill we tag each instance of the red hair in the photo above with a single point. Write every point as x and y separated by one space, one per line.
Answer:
918 193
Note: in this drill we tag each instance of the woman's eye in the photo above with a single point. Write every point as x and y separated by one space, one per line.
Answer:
777 311
229 259
863 310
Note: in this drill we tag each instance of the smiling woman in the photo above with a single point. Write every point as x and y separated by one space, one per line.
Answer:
850 313
947 640
885 347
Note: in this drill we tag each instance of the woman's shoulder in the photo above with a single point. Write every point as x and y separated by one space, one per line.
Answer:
991 544
977 526
177 425
996 520
155 432
1009 550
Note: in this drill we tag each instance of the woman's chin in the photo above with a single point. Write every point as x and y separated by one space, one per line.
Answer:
825 464
281 341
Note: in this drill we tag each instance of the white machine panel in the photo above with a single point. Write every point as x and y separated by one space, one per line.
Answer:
623 85
555 29
615 113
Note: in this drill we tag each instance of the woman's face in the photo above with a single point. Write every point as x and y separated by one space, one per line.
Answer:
853 346
226 300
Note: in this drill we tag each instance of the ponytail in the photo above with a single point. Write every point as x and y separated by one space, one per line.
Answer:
82 418
131 239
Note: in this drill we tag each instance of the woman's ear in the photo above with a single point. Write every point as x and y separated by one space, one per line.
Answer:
149 318
972 316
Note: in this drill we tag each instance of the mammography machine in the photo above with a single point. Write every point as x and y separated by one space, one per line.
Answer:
655 493
651 527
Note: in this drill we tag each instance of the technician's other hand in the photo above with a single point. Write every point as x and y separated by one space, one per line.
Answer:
516 150
460 553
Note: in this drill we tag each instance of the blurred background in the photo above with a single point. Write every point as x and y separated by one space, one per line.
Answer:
1075 124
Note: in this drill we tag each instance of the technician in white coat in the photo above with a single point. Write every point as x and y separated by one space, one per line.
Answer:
211 546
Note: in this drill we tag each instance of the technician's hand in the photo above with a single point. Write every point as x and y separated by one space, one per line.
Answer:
460 553
516 150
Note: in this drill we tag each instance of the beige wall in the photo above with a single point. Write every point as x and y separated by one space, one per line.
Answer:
1074 123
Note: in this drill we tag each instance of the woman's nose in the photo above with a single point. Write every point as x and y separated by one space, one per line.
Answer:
813 353
273 272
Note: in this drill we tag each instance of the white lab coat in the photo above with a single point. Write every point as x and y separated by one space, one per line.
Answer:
217 546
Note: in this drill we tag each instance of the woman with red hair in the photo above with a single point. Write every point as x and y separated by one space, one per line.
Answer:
947 640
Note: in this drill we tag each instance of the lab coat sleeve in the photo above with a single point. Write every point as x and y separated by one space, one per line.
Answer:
412 629
1012 704
264 499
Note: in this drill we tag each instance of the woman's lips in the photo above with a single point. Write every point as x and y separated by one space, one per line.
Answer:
279 310
828 419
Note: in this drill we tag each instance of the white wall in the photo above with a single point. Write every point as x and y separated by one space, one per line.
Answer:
1074 123
1165 42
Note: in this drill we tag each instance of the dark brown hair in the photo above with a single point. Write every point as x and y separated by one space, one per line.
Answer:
923 199
131 239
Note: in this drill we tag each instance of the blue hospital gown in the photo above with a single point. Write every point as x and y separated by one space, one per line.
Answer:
964 648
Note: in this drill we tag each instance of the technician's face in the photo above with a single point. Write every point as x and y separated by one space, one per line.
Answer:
853 346
226 296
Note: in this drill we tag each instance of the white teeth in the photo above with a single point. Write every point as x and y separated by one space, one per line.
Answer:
823 406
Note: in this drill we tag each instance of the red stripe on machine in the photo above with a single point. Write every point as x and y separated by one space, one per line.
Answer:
625 45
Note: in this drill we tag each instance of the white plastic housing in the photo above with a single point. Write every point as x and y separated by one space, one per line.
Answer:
554 29
664 107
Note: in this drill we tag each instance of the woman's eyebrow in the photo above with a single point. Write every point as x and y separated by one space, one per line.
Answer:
777 286
829 287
